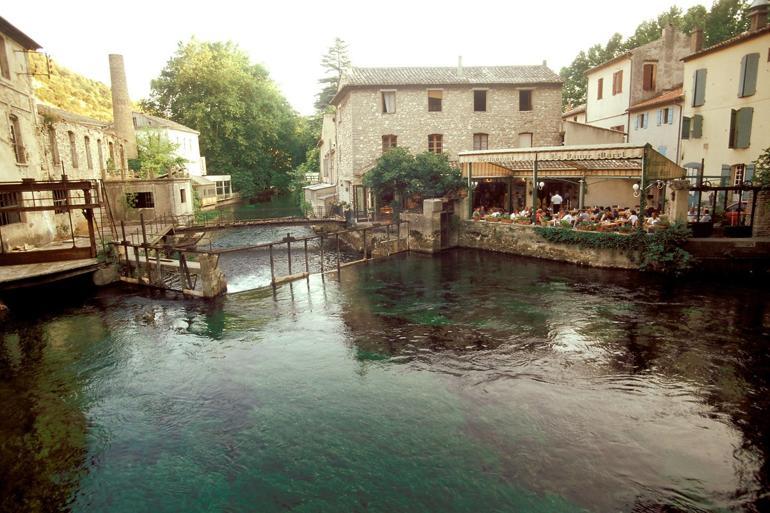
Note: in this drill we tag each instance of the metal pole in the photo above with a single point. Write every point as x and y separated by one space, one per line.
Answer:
307 263
534 190
288 248
642 189
322 255
144 241
125 245
582 193
272 266
699 182
470 191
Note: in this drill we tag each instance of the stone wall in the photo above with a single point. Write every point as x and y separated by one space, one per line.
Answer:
761 226
522 240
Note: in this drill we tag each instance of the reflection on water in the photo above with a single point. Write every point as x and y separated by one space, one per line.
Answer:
466 382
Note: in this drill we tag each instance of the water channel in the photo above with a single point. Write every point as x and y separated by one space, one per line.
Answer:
465 382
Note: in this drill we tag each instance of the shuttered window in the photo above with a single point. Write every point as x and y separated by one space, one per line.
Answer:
525 100
740 127
479 101
747 85
600 89
5 70
648 76
699 88
480 141
686 127
435 143
617 82
697 126
388 102
388 142
435 97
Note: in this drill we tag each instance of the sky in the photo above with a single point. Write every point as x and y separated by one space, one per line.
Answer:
290 37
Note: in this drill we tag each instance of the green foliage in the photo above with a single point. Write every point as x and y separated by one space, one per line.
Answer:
725 19
69 91
335 62
762 169
659 251
157 155
247 128
428 174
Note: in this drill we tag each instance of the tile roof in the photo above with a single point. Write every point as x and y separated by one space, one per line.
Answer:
17 35
666 97
577 110
156 122
745 36
69 117
470 75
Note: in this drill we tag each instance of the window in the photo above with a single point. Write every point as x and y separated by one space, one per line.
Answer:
54 146
435 96
747 84
617 82
699 88
60 200
642 120
388 102
479 100
697 127
140 200
100 153
16 140
740 127
618 128
525 140
600 89
182 195
122 157
388 142
111 161
738 172
686 127
480 141
5 70
89 158
665 116
649 72
10 199
73 149
435 143
525 99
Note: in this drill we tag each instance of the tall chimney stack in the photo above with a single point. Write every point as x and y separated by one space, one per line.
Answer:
696 40
758 14
460 71
121 105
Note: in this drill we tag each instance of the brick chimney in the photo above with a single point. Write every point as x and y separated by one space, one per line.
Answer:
121 105
696 40
758 14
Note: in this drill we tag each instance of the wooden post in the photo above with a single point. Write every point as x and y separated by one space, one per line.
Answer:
288 249
272 265
144 244
322 255
338 253
89 213
307 263
183 266
364 234
125 246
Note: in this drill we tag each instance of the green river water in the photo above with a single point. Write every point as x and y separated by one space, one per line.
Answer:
468 382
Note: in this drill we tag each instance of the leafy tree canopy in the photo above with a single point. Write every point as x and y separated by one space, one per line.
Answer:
399 172
247 128
334 62
157 155
725 19
762 168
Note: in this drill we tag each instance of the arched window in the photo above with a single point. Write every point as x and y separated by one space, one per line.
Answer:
89 158
73 149
55 158
16 140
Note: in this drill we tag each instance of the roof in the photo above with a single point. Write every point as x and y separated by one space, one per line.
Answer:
451 75
156 122
614 60
740 38
17 35
318 186
666 97
200 180
69 117
577 110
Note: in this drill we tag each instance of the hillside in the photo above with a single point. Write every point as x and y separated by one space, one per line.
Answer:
69 91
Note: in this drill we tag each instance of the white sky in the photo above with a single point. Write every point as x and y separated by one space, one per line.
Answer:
289 37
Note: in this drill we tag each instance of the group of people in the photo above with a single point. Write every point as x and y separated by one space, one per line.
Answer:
608 217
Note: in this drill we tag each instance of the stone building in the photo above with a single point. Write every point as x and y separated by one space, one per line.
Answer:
634 77
438 109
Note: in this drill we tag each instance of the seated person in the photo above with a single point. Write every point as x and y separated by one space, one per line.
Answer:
633 219
706 217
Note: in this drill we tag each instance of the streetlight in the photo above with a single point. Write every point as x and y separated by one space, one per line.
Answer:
540 186
657 183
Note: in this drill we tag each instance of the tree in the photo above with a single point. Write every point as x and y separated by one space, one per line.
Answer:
247 128
762 169
726 19
335 63
400 173
157 155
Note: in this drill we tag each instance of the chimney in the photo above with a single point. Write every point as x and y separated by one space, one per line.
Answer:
121 105
696 40
460 72
758 14
545 63
668 34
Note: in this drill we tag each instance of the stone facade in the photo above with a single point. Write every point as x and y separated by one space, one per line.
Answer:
354 144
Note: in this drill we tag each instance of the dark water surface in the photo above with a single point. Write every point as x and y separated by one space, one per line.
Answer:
469 382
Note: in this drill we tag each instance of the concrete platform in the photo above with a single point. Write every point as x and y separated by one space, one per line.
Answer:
31 275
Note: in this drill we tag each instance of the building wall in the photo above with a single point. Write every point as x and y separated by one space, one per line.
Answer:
611 109
722 81
664 138
580 117
667 52
605 192
327 149
166 196
579 133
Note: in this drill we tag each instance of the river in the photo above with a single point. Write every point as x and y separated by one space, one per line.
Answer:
465 382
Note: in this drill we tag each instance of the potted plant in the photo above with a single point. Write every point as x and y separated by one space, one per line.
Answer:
506 219
476 216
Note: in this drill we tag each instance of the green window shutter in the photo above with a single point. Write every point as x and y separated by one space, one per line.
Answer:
699 88
660 116
697 126
747 85
724 179
670 115
743 119
685 127
749 174
731 133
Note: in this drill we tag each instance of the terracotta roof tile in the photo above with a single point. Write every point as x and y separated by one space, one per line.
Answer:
666 97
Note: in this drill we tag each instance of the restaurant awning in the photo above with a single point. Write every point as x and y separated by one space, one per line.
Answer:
618 160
